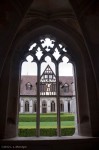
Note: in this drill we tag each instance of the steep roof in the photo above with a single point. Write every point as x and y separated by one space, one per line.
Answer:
33 79
24 81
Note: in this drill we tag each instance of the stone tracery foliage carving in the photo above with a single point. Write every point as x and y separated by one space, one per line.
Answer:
47 46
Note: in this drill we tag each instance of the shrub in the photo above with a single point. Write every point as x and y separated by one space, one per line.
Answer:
46 118
46 132
27 132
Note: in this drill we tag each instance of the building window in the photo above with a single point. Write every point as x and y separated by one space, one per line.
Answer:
46 76
66 88
35 106
44 107
61 106
50 76
26 106
68 106
52 106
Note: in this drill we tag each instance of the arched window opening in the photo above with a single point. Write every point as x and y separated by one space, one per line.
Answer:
44 107
28 90
61 106
52 106
26 106
68 106
19 107
35 106
48 88
48 76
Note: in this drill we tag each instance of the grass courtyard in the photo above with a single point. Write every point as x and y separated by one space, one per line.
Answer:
48 124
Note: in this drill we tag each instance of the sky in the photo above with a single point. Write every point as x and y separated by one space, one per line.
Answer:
30 68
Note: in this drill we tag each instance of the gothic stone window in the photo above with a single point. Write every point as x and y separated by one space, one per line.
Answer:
48 81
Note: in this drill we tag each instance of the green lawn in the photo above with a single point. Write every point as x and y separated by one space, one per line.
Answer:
48 124
46 115
45 124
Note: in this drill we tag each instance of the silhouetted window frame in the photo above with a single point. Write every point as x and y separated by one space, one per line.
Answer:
39 60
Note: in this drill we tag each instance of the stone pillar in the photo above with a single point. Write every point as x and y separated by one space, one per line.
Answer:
4 88
31 106
48 106
22 106
55 105
40 105
66 106
73 105
12 110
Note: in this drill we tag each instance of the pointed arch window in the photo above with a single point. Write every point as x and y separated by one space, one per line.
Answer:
49 82
52 106
35 106
44 107
61 106
68 106
26 106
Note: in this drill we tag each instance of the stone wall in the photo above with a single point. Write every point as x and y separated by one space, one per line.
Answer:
48 101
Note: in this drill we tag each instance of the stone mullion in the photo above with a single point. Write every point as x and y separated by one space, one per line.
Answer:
38 102
58 100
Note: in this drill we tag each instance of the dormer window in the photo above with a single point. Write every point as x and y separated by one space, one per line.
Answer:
28 86
65 88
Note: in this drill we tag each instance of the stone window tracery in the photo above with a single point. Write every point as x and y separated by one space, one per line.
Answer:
42 49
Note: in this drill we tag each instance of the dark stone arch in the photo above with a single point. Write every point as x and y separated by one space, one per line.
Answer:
79 57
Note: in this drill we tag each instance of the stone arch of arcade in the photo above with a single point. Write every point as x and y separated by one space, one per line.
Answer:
78 55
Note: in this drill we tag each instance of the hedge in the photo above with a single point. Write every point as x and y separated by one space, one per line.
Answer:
45 118
46 132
